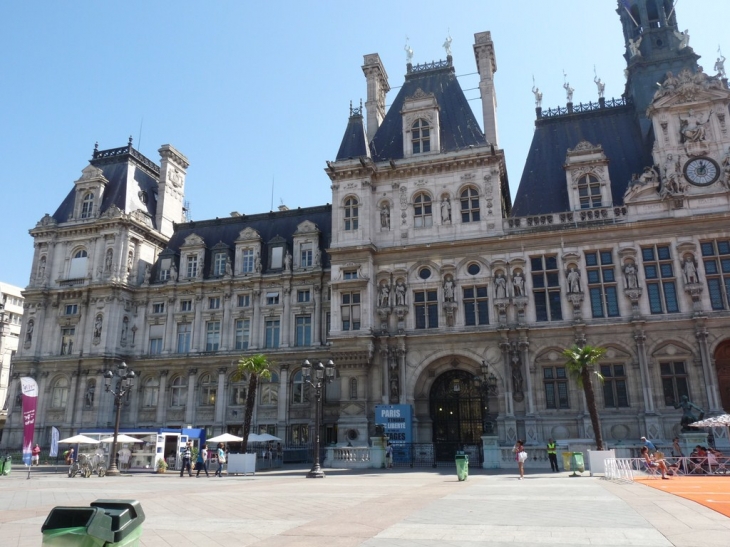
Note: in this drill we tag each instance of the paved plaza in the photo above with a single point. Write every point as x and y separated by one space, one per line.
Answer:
397 508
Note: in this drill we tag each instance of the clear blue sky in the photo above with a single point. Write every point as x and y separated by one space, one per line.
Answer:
258 91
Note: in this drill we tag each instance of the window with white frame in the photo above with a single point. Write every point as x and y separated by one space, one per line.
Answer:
421 136
303 295
422 211
351 214
674 381
219 264
214 303
602 284
59 393
186 305
303 330
270 390
208 390
350 310
349 274
242 333
469 205
661 285
71 309
546 288
247 260
178 392
68 335
476 305
184 337
192 266
156 335
158 307
716 258
299 434
244 300
150 392
239 391
555 382
426 309
277 258
272 298
87 206
299 393
615 392
165 265
589 192
213 336
271 333
305 258
79 263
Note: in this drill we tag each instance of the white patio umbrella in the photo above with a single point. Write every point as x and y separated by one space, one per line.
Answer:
266 437
225 438
121 439
79 439
255 438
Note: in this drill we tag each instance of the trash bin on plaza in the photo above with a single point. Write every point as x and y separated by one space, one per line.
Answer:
6 464
567 456
462 465
106 523
576 462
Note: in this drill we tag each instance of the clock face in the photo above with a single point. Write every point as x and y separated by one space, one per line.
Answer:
701 171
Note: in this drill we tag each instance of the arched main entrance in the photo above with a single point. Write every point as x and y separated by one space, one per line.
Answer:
458 411
722 365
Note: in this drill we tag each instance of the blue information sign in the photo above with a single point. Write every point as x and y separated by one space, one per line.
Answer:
397 421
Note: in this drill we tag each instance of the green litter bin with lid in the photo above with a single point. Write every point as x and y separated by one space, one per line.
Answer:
106 523
6 464
462 466
576 462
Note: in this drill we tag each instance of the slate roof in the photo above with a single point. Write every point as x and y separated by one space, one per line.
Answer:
128 173
354 141
543 188
269 226
459 127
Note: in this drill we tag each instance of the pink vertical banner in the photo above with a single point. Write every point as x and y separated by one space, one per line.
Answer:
29 388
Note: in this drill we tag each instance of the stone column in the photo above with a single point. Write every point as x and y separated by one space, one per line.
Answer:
168 343
316 317
42 399
506 366
162 398
283 398
98 395
710 379
525 350
286 335
80 400
190 404
220 402
255 341
226 325
198 329
640 339
401 355
384 350
72 397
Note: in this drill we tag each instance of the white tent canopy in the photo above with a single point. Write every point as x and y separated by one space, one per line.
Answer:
121 439
266 437
225 438
79 439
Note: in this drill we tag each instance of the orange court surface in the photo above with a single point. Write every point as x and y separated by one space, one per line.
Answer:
710 491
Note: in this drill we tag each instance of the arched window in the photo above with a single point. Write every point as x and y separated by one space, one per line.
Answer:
87 205
178 392
421 136
422 211
78 267
299 389
239 390
351 214
208 390
589 192
469 205
353 388
270 390
59 393
150 392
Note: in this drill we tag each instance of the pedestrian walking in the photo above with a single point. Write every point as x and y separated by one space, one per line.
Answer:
520 457
186 457
389 456
36 455
221 460
552 452
202 463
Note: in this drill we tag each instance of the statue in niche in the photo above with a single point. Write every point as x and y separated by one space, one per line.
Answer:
518 284
517 379
449 290
385 216
147 274
125 330
693 129
400 294
108 261
42 270
725 178
500 286
29 332
687 417
573 281
89 395
173 272
632 281
317 257
257 263
97 327
287 261
394 387
229 267
445 210
690 271
130 262
384 295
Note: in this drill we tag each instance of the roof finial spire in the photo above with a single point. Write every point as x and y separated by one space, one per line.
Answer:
130 140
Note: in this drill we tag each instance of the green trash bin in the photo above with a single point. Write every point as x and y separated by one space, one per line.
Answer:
106 523
576 463
462 466
6 464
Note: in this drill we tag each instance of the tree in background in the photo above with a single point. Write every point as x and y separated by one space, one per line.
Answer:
254 367
581 365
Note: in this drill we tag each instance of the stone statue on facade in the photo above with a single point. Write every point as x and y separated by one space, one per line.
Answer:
449 290
725 178
568 92
98 323
693 129
687 417
409 53
108 261
385 216
632 281
173 272
573 281
445 210
538 96
41 271
257 263
683 38
500 286
384 295
690 271
317 257
720 66
89 395
400 294
229 267
29 332
447 45
600 85
518 284
634 46
287 261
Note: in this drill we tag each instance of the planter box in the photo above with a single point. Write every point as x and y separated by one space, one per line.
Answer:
241 463
597 460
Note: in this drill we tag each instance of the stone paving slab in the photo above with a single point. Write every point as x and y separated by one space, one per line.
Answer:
400 508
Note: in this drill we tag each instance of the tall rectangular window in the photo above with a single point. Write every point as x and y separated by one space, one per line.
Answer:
192 265
674 381
661 286
555 381
156 334
158 307
186 305
303 296
426 309
247 261
213 336
243 332
476 306
303 330
214 303
277 258
184 336
602 284
350 311
305 259
219 264
272 298
271 333
716 257
546 288
68 335
244 300
165 265
615 392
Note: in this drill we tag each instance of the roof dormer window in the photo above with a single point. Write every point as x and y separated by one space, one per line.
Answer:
421 136
87 205
589 192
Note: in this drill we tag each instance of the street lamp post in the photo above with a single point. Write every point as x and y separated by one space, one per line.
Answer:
124 385
322 374
488 384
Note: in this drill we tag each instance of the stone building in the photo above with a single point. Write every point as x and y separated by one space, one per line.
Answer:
11 313
422 274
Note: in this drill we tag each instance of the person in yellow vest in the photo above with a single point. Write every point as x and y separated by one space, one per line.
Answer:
552 451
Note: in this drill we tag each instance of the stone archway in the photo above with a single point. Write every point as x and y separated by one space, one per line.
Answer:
722 365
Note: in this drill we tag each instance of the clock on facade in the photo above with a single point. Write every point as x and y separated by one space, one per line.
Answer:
701 171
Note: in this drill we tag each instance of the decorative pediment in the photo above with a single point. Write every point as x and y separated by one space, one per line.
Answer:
47 220
249 234
670 350
585 146
112 212
277 239
91 173
193 240
688 87
220 246
306 227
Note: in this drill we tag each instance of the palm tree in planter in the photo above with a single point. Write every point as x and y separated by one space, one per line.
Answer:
581 365
255 367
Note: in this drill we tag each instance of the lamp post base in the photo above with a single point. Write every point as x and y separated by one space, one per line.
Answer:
316 473
113 471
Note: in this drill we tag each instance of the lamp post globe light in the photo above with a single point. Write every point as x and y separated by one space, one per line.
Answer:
322 374
124 385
